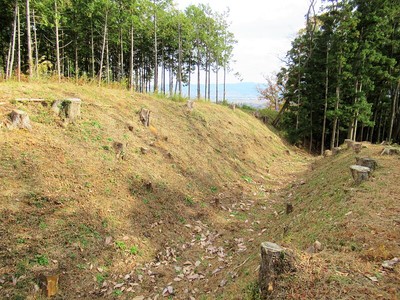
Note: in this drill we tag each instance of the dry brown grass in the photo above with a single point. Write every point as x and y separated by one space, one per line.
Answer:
63 191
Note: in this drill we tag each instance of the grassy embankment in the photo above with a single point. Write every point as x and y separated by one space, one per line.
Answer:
68 203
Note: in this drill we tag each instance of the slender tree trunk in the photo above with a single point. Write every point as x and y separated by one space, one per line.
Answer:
326 101
28 38
209 80
337 134
180 62
190 77
107 62
393 117
198 74
336 119
131 61
224 85
171 82
76 60
163 71
103 48
205 80
57 42
92 48
19 44
10 60
155 50
36 44
122 67
216 84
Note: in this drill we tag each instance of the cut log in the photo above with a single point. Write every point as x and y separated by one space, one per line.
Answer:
49 283
18 119
367 162
357 147
349 143
360 173
68 109
336 150
29 99
144 116
274 262
190 105
390 151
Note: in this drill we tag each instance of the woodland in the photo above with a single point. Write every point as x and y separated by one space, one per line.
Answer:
147 45
340 79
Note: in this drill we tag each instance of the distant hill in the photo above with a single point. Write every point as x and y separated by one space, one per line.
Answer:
240 93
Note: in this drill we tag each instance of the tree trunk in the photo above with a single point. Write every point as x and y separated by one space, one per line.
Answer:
155 50
198 74
205 79
224 85
107 62
171 82
28 38
10 61
131 61
336 119
190 76
57 42
103 48
209 80
76 60
92 48
122 67
326 101
216 84
36 45
19 44
393 117
179 75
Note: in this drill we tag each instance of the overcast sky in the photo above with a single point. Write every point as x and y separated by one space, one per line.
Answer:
264 30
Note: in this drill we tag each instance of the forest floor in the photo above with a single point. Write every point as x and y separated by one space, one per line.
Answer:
183 214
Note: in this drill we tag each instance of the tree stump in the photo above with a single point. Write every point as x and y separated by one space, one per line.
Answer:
357 147
390 151
119 149
336 150
190 105
367 162
289 208
327 153
360 173
48 282
349 143
68 109
274 262
144 150
144 115
18 119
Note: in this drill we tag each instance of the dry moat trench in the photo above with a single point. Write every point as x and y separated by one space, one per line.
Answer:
182 213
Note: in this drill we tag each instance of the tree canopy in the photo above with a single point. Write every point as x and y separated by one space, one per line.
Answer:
135 42
342 75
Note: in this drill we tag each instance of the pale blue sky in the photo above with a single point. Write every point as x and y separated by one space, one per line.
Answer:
264 30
